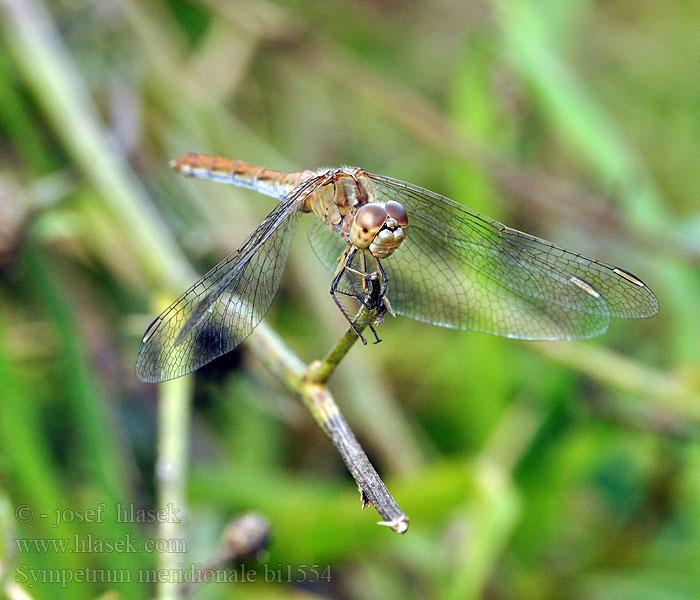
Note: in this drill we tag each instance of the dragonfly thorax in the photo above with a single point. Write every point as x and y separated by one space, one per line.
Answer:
338 194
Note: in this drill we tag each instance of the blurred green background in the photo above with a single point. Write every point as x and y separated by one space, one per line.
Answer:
529 470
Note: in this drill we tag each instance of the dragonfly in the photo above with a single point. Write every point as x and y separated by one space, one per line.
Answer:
393 247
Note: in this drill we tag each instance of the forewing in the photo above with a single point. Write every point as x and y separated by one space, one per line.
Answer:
221 309
460 269
431 283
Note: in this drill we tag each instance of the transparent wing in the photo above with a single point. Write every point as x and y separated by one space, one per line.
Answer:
460 269
221 309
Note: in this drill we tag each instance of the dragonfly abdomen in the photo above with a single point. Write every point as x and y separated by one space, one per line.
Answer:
215 168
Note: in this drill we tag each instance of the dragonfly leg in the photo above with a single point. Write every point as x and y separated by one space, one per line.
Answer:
378 301
377 339
361 272
375 292
347 317
364 275
372 295
342 266
385 301
356 296
375 297
359 296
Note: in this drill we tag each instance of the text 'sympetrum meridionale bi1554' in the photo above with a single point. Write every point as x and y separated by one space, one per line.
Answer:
392 246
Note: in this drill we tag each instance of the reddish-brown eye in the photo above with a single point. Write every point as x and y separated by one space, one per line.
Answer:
371 217
397 212
368 221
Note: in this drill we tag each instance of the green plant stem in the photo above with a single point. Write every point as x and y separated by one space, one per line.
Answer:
320 371
173 424
310 384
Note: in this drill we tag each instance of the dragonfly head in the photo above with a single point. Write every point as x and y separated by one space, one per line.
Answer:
379 228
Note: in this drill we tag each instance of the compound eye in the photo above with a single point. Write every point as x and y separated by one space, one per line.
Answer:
397 212
369 219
